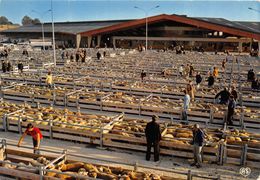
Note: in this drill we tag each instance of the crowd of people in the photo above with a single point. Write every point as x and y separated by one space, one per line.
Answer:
228 97
80 55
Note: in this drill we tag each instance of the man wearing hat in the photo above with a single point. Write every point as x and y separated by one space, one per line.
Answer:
153 137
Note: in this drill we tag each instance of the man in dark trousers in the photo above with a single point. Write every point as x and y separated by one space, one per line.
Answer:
9 66
231 110
36 137
211 80
98 55
197 141
250 75
224 96
153 137
191 70
20 67
143 75
4 66
255 84
198 80
234 93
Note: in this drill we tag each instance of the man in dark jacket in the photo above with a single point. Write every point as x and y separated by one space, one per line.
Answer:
9 66
4 66
250 75
198 139
255 84
143 75
234 93
224 96
211 80
198 79
231 110
153 137
20 66
98 55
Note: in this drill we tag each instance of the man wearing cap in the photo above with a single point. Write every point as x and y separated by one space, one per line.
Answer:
153 137
36 137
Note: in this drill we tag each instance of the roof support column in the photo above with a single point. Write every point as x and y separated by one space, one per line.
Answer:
98 40
250 45
78 39
240 46
258 48
114 42
89 41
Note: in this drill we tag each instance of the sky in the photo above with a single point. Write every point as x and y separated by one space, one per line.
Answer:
85 10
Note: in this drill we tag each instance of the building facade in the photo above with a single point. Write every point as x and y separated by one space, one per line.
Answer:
164 31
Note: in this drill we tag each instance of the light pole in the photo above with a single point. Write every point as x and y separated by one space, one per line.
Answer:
146 11
41 15
53 36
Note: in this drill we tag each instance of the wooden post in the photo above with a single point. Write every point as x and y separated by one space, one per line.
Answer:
38 105
24 103
65 152
219 177
221 154
54 97
41 172
225 118
5 122
77 102
40 77
50 128
189 176
65 100
211 115
20 125
136 166
101 104
110 86
240 98
224 153
242 116
139 108
243 156
101 137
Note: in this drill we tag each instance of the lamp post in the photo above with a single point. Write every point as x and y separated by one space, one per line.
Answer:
41 16
53 36
146 11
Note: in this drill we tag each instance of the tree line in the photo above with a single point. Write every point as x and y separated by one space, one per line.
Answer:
26 20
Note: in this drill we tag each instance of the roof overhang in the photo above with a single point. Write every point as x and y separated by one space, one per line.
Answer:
176 18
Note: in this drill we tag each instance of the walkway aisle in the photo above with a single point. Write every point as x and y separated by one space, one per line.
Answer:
123 156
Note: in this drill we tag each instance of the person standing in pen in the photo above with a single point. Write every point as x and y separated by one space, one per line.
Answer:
49 80
197 142
231 110
153 137
36 137
186 105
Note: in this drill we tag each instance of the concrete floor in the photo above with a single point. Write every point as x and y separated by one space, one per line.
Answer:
125 158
